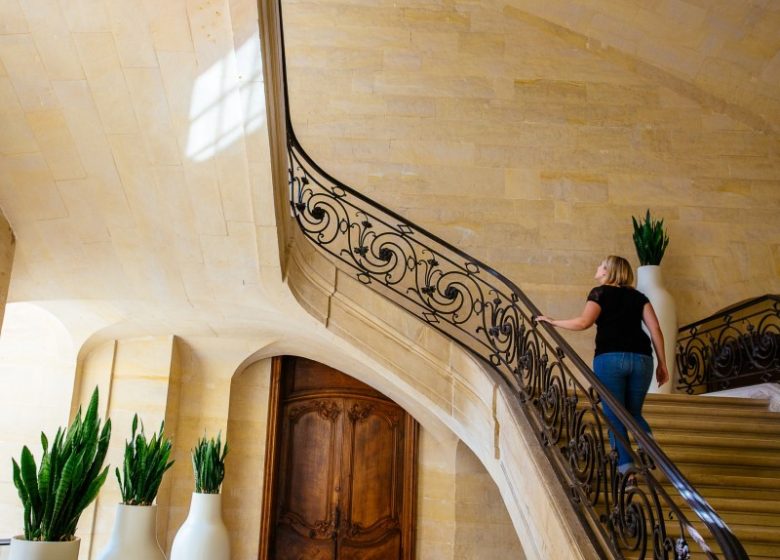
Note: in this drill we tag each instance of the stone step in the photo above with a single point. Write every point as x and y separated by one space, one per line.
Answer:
721 424
729 449
653 409
723 402
725 440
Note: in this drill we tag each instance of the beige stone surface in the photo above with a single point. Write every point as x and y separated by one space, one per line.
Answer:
608 113
135 173
246 431
484 530
127 126
436 498
460 514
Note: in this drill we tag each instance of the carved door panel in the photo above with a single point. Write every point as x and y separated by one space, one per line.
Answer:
373 470
340 477
309 478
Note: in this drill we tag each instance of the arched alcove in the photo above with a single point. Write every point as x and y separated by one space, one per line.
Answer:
246 434
37 365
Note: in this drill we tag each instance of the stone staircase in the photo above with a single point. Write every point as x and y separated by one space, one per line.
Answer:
729 449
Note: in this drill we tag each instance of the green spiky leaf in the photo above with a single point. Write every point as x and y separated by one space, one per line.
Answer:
208 462
141 474
68 479
650 240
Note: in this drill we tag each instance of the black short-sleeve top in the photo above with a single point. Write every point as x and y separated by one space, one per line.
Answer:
619 325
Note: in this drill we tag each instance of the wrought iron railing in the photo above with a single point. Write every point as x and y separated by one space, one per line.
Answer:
735 347
491 317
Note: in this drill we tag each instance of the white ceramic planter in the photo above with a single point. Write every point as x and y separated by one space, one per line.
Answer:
650 282
203 535
134 536
37 550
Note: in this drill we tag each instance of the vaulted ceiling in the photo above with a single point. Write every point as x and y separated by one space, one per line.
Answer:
134 162
133 147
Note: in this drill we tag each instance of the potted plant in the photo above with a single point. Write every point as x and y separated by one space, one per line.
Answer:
54 496
204 535
651 241
134 536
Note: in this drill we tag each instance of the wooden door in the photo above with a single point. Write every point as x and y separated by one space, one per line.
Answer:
343 483
309 473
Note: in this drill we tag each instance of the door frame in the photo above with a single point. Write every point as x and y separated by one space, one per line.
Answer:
270 471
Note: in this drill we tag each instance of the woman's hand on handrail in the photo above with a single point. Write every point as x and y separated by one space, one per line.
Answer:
584 321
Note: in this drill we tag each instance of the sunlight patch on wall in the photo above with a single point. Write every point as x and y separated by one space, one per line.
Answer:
227 101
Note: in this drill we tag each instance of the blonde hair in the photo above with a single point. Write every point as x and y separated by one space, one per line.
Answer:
619 271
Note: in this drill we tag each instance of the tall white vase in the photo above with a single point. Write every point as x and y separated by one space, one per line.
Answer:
650 282
203 535
134 536
37 550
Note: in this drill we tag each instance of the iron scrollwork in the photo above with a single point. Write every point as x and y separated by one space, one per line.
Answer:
736 347
490 316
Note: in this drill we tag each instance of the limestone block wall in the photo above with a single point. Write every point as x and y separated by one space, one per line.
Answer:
436 528
530 145
135 376
7 246
461 513
726 51
484 531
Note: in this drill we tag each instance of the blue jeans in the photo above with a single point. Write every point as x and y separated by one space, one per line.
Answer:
627 376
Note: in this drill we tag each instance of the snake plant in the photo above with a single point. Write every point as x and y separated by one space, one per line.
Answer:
69 477
208 462
144 466
650 240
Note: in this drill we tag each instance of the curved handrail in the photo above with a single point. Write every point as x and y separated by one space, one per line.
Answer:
730 310
734 347
489 315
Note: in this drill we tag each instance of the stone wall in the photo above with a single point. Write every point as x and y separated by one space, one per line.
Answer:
529 144
483 528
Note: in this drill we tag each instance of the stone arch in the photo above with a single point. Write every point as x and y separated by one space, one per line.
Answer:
37 364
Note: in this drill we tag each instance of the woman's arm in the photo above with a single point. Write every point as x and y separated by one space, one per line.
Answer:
649 318
584 321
